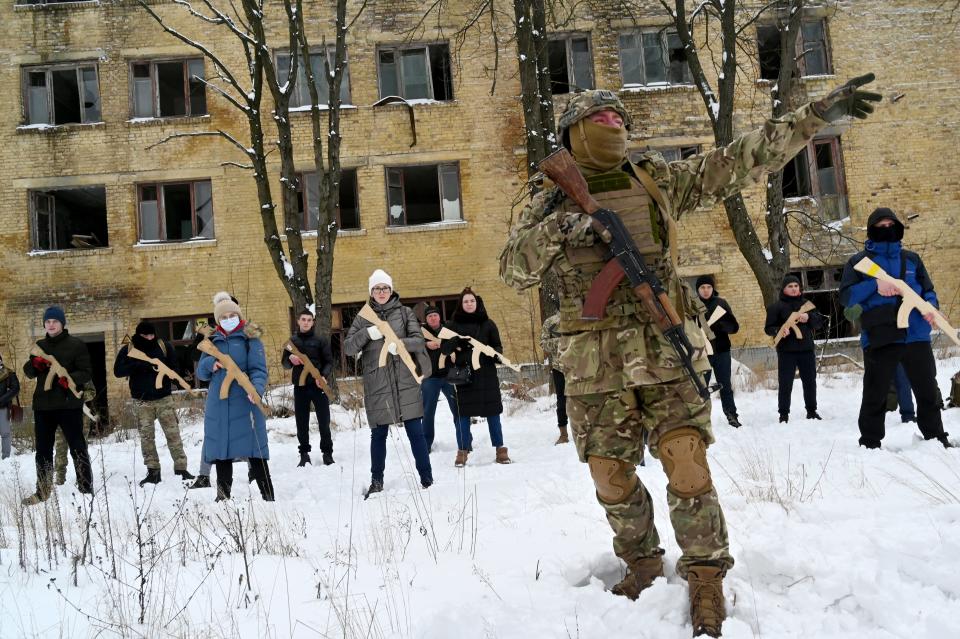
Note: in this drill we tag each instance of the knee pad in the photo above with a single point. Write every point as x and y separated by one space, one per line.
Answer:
615 479
684 458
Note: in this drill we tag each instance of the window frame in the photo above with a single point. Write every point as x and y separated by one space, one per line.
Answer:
573 83
800 49
331 52
155 89
302 193
664 32
47 194
161 211
402 185
836 153
77 67
398 49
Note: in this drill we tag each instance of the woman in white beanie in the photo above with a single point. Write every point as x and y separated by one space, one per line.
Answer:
391 394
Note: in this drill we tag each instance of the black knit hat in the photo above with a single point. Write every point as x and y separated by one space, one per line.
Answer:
146 328
431 309
706 279
790 279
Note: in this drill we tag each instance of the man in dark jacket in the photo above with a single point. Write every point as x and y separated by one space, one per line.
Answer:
794 352
884 344
9 390
721 331
317 348
59 407
437 382
152 404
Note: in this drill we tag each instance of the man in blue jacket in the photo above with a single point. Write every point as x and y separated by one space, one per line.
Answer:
884 344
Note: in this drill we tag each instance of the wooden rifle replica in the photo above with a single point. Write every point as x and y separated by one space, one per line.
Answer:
791 322
234 374
430 337
308 370
627 262
57 369
390 337
162 370
479 348
911 300
717 313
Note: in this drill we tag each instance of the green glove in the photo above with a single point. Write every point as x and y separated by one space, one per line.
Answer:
848 100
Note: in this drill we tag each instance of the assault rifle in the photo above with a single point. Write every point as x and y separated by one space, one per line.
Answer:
161 369
390 337
309 369
791 322
627 262
479 348
910 300
57 369
234 374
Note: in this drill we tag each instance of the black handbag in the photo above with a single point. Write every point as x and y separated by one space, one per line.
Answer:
459 375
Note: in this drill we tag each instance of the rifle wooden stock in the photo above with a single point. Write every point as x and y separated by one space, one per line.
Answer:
55 369
560 167
479 348
791 322
390 337
430 337
162 369
234 374
308 370
911 300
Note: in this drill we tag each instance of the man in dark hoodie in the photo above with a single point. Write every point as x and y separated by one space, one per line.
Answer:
884 344
794 352
721 331
317 348
437 382
152 404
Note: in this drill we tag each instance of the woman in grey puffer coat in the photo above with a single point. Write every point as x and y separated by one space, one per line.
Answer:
391 394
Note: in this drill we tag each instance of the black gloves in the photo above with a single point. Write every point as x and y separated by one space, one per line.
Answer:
848 100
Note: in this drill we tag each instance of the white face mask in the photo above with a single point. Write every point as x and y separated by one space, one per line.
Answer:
229 323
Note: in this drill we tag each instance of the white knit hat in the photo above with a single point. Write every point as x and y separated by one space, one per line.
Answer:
379 277
223 304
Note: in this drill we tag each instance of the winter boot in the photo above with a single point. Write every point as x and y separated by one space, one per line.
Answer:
184 475
943 440
261 473
733 420
376 486
328 459
906 419
502 456
304 460
34 499
461 459
812 414
202 481
707 610
426 482
153 477
784 418
61 477
564 438
640 576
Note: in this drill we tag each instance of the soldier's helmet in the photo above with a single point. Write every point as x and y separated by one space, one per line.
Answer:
583 104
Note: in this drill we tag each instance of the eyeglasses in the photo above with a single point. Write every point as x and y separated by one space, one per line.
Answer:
381 289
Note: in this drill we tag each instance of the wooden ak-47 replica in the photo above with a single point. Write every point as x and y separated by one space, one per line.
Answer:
627 262
56 368
717 313
479 348
161 369
430 337
234 374
911 300
791 322
390 337
308 370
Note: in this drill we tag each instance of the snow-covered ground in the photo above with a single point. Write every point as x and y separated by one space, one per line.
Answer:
830 540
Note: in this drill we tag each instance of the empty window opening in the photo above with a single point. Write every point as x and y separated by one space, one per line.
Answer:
423 194
176 212
571 64
348 212
69 218
62 95
168 89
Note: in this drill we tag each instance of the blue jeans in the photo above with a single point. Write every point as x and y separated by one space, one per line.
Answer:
720 362
431 389
465 437
378 450
904 394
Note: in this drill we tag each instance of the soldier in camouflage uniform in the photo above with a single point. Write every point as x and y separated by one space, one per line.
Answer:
550 343
623 378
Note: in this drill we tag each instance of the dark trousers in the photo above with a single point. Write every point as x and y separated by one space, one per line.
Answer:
303 397
70 422
259 470
904 394
720 363
879 367
806 362
431 389
560 387
418 446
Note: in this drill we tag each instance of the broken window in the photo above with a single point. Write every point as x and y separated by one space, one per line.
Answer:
653 57
168 89
175 212
417 72
817 171
423 194
812 53
63 94
69 218
300 95
571 64
348 212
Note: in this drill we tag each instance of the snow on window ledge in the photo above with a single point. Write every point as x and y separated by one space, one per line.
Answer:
72 252
172 119
432 226
165 245
26 5
323 107
58 128
657 88
351 232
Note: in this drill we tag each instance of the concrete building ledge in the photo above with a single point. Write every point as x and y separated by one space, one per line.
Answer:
434 226
44 129
56 6
189 119
105 250
172 246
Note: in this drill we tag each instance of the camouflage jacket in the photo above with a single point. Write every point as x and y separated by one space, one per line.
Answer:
586 349
550 339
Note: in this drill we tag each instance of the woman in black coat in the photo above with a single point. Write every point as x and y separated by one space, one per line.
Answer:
481 397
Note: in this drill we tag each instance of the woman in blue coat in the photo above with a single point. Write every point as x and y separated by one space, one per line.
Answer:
234 428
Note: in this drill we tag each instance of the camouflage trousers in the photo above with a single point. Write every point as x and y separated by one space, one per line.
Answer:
613 425
162 410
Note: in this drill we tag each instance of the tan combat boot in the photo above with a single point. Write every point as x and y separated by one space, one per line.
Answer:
502 456
563 438
707 610
461 459
640 576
